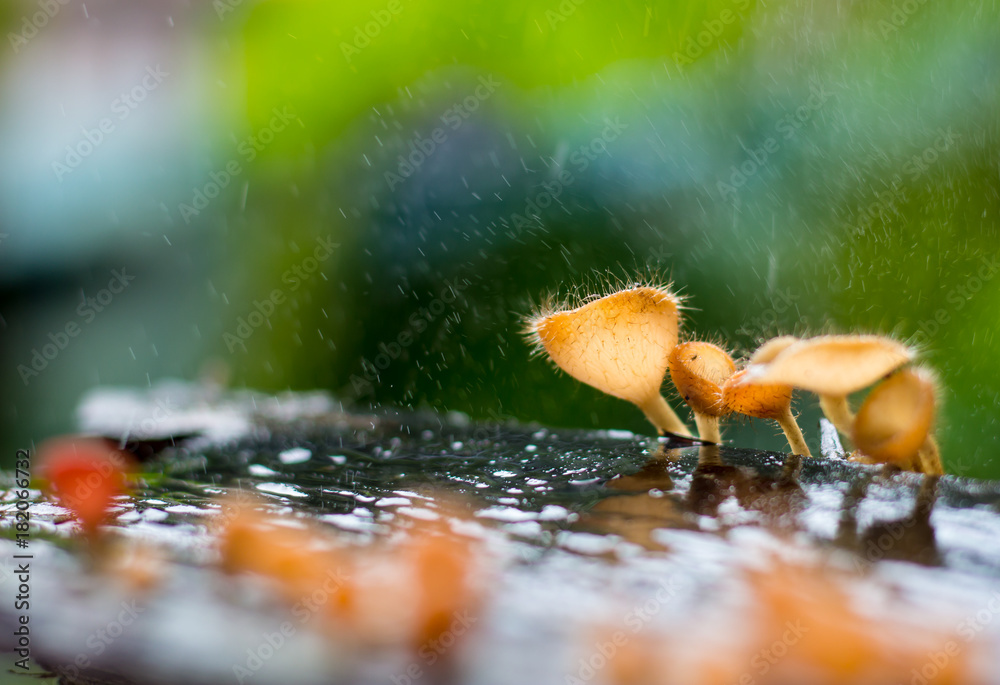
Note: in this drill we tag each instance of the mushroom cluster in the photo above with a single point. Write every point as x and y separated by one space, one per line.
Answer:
894 424
626 342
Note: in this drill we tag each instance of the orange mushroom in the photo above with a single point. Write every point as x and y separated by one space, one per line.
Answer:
619 344
771 349
832 366
698 370
895 421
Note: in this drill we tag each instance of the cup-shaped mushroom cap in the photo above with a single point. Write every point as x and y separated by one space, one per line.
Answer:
772 348
618 344
833 364
896 417
760 400
698 370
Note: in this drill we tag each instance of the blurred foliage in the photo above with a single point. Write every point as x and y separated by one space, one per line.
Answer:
333 61
793 166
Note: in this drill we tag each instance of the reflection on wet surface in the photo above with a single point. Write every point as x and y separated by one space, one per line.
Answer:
907 538
552 508
649 499
625 487
653 501
641 502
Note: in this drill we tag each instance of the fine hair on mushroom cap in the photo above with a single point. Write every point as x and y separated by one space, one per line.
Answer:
591 341
770 349
834 364
698 369
759 400
833 367
618 343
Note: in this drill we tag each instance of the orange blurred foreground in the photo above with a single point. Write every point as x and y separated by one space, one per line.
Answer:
84 475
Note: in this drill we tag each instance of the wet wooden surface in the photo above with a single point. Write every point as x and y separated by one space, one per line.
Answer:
576 527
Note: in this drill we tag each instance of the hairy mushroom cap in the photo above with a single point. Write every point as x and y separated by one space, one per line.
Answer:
833 364
772 348
760 400
618 344
699 369
896 417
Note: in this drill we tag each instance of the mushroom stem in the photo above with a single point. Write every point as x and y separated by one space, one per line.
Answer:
835 409
792 432
929 458
708 427
661 415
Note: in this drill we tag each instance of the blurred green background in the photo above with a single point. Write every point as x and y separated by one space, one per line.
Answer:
793 166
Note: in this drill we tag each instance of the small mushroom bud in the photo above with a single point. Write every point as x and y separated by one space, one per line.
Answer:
698 370
619 344
833 367
765 401
894 423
